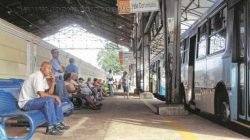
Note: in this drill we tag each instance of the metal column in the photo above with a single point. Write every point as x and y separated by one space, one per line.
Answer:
165 36
136 55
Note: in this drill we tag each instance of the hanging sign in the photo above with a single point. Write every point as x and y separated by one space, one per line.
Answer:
126 58
134 6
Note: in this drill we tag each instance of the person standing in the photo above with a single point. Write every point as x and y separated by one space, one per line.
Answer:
110 82
125 84
37 94
58 70
71 68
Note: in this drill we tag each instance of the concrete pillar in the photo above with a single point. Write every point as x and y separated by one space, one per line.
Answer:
171 25
173 21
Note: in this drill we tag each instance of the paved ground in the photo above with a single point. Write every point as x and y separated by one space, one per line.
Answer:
122 119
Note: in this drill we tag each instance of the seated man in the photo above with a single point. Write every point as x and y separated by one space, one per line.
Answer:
91 87
97 88
36 94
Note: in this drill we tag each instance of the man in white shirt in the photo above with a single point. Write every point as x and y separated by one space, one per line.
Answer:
36 94
110 82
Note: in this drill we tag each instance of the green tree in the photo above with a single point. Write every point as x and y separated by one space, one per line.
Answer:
108 58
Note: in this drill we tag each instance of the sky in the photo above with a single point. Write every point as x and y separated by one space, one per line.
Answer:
78 42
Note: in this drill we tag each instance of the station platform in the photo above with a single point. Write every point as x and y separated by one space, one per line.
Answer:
132 119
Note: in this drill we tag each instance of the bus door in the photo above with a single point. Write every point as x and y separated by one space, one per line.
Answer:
243 61
192 44
248 59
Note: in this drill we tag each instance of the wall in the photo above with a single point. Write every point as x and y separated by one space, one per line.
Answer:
21 53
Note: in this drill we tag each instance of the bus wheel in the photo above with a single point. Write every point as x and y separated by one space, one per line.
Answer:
225 111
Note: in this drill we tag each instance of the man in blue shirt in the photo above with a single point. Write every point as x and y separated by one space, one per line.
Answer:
58 70
71 67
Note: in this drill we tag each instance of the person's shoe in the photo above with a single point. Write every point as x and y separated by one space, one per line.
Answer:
62 126
53 131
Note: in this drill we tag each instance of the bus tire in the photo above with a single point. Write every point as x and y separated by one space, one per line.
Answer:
225 112
222 110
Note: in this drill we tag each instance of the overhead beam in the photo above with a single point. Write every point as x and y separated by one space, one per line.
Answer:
108 29
150 21
100 19
190 3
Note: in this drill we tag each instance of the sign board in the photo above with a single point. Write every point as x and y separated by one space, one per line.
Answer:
134 6
121 58
126 58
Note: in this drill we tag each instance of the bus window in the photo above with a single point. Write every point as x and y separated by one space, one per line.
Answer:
241 30
202 42
186 51
217 36
182 52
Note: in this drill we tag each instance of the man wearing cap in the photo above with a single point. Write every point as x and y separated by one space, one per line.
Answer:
58 70
71 68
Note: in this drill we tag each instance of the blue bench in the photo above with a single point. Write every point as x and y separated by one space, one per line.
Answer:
9 93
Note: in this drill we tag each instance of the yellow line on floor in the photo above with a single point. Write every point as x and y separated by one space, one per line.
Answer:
185 134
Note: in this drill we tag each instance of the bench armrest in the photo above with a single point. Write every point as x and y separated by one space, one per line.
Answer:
23 114
3 135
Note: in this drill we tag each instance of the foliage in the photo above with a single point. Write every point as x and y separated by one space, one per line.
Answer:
108 58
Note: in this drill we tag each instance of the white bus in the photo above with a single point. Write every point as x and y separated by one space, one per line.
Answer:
215 62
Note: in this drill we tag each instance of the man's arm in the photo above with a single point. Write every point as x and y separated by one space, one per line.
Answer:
45 94
77 70
56 66
39 84
61 69
52 83
71 88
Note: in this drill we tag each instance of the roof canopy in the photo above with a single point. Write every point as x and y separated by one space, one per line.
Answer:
46 17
